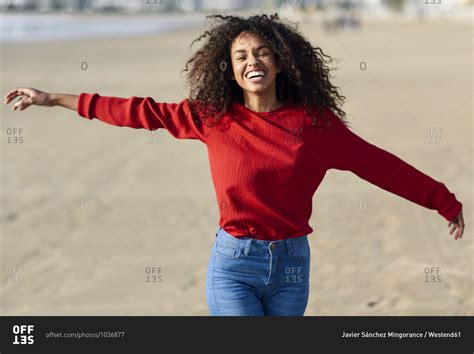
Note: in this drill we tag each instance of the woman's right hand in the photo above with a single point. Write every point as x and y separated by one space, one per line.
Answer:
458 225
28 96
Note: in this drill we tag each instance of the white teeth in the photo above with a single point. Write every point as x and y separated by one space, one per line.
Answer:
255 73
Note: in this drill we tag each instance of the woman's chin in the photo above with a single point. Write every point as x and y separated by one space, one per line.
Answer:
256 89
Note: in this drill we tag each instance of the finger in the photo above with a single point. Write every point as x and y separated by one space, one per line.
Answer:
18 104
11 92
19 90
19 95
25 91
11 97
25 103
452 229
449 224
15 106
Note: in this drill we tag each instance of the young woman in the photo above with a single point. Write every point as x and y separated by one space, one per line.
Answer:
262 102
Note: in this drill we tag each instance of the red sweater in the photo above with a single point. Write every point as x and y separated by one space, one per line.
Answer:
267 166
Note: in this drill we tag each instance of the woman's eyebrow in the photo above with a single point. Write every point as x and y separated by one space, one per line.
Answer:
243 50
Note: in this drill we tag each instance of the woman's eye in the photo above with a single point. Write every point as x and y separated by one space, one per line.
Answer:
240 58
263 53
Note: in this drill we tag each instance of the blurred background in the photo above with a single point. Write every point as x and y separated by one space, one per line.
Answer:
81 18
102 220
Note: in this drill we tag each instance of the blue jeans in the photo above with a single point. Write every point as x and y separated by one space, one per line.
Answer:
249 277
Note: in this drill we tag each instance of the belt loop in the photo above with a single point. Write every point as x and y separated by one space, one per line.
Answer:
247 246
289 247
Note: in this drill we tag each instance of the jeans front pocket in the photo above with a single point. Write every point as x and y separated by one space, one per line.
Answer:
301 250
228 251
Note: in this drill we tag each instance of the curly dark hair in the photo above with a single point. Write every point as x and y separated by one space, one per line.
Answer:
304 78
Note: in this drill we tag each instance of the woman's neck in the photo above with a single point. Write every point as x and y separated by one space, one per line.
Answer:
261 104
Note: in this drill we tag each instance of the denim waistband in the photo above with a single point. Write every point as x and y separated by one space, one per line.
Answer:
296 245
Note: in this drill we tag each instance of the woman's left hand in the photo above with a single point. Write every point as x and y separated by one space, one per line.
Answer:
457 226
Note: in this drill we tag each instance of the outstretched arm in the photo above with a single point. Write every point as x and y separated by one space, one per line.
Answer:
344 150
134 112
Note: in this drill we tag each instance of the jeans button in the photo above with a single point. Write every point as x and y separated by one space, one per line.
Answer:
273 246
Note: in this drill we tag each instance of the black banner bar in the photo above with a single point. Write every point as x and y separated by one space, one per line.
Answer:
120 334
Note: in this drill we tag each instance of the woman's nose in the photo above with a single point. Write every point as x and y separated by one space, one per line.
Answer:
254 64
253 60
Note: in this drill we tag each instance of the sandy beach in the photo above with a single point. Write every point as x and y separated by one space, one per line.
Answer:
105 220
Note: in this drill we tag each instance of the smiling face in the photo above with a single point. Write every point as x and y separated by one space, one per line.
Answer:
254 64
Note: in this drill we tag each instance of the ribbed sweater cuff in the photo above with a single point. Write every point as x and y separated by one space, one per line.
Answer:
451 209
85 105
